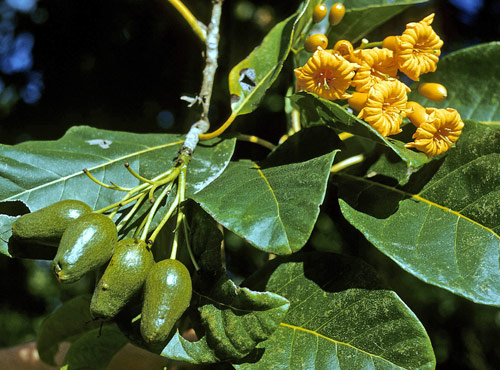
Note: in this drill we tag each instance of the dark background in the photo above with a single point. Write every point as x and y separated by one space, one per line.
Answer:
122 65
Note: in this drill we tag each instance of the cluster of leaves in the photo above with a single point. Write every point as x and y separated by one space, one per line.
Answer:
437 218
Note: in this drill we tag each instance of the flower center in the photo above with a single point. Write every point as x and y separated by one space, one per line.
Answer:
325 78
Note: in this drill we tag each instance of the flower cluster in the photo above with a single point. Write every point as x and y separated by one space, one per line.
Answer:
368 78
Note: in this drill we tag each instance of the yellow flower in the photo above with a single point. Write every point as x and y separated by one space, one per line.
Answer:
376 65
326 74
438 133
418 48
385 107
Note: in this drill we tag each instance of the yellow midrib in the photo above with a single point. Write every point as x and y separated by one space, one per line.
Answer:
16 196
277 204
333 341
423 200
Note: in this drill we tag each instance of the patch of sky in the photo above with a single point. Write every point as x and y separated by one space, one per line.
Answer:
469 9
22 5
16 54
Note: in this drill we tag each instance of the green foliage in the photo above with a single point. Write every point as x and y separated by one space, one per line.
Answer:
447 232
42 173
317 111
362 16
96 347
67 323
280 195
249 79
340 316
472 81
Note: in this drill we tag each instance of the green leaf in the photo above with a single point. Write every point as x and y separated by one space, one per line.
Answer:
205 239
41 173
235 320
94 349
5 233
250 79
362 16
392 166
68 321
472 78
318 111
274 204
341 317
446 232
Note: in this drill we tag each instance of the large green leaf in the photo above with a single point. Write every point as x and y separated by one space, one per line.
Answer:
65 324
318 111
94 349
341 317
274 204
40 173
472 78
446 232
235 320
250 79
362 16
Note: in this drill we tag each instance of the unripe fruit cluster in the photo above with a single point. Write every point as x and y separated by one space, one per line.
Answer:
85 242
319 40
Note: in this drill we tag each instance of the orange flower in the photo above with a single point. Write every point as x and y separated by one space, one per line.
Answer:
325 74
385 107
376 65
418 48
439 132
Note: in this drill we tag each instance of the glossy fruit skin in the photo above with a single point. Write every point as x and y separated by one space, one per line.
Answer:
432 91
167 293
86 244
47 225
123 278
319 13
313 41
337 12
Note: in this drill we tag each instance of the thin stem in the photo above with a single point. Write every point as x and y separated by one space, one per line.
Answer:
188 243
113 186
164 220
365 45
198 27
220 130
119 204
131 212
347 163
256 140
295 121
180 215
153 209
136 175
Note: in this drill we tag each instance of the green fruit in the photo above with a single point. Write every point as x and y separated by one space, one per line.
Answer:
167 294
86 244
123 278
46 226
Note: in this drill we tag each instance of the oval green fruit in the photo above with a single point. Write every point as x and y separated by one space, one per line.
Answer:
85 245
123 278
47 225
167 293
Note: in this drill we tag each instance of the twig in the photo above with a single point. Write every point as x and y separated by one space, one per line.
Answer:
212 52
199 28
256 140
337 167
